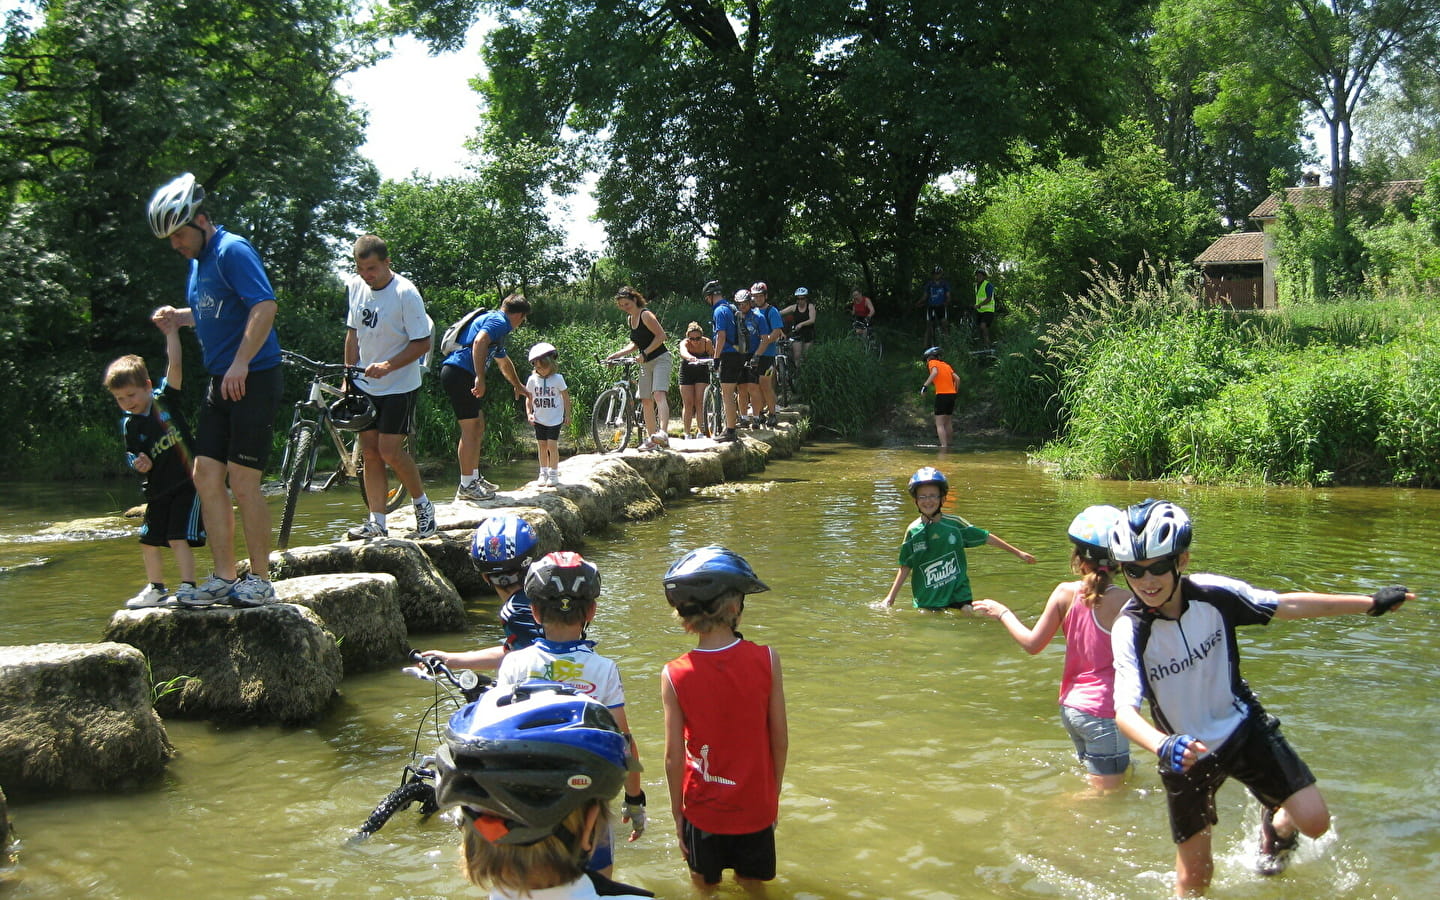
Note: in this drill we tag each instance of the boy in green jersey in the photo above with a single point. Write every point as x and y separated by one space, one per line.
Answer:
934 548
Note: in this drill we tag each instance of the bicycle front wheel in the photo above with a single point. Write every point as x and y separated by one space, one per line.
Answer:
712 411
611 421
783 382
300 451
410 792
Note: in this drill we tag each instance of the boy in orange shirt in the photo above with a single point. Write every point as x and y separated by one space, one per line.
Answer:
947 386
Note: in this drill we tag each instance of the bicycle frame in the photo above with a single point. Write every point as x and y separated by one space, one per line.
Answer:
617 414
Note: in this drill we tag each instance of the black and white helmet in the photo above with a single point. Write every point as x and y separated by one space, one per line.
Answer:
1150 530
174 205
563 573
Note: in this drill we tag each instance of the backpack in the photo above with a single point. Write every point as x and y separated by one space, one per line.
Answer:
450 342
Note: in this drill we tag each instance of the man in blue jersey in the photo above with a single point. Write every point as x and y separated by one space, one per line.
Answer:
232 309
462 375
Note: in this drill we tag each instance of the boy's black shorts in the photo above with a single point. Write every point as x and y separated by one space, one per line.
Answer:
1257 755
174 516
750 855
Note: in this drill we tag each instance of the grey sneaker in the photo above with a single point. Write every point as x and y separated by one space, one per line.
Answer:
151 596
424 521
368 530
252 591
209 592
474 491
486 485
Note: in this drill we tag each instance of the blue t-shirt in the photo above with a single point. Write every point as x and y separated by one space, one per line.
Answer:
935 292
773 320
494 323
724 319
755 328
226 282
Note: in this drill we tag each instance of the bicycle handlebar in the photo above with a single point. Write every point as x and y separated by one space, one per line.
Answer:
468 682
319 369
621 361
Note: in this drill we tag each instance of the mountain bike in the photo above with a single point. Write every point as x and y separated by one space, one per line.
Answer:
784 373
417 779
864 332
712 404
616 415
309 425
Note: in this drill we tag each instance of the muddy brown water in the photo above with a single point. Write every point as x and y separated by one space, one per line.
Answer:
927 759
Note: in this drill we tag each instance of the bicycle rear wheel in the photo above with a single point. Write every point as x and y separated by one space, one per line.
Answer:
410 792
300 452
712 411
611 421
784 382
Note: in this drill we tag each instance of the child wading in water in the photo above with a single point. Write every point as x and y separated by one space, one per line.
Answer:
1086 611
1175 645
547 405
726 736
935 545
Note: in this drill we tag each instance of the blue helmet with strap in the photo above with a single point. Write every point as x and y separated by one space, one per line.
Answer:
503 545
706 573
928 475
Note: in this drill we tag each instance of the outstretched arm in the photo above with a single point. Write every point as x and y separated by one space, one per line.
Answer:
1306 605
996 541
1033 640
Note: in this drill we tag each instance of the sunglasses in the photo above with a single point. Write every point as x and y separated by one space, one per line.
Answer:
1135 570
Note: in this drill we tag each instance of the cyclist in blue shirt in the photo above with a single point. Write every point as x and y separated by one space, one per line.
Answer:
765 352
232 309
935 297
463 376
728 338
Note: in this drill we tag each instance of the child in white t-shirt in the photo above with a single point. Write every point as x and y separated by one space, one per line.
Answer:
547 406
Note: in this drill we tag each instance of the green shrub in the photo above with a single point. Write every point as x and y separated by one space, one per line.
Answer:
843 387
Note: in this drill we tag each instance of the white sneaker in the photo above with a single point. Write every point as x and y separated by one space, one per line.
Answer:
207 593
367 530
252 591
648 445
660 439
554 477
150 597
424 521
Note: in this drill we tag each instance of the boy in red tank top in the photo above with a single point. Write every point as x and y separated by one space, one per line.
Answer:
726 736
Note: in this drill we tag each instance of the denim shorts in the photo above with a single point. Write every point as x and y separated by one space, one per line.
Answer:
1098 742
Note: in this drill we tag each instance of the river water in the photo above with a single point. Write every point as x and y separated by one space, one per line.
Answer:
927 759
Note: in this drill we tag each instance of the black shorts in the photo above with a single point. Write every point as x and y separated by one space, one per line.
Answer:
458 383
936 313
394 413
944 404
763 365
173 516
750 855
239 431
732 368
547 432
986 318
1257 755
691 373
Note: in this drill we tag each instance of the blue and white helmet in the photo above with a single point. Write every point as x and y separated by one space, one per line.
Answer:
527 758
1150 530
174 205
503 545
702 575
1091 530
928 475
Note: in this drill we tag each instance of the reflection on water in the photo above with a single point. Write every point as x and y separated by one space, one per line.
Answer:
927 759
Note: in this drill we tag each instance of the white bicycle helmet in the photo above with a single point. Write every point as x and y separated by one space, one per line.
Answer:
802 292
1090 533
174 205
1150 530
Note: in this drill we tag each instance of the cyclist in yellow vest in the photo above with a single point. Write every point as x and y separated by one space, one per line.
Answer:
984 304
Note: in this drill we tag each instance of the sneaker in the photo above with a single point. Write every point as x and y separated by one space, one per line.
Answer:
150 597
648 445
252 591
486 485
424 522
474 491
729 435
660 439
773 421
368 530
207 593
1274 850
554 477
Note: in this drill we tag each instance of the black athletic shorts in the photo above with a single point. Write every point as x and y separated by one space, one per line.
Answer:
691 373
763 365
394 413
944 404
547 432
458 383
986 318
1257 755
173 516
936 313
750 855
239 431
732 368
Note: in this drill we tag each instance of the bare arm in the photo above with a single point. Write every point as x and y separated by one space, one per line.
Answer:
257 328
632 779
995 541
779 724
1306 605
485 658
174 370
1033 640
1136 728
674 753
656 329
507 368
900 576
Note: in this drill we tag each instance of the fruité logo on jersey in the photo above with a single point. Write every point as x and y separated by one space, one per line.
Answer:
941 571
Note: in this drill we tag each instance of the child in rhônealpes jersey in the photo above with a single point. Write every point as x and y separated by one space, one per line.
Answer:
532 770
934 548
726 734
1086 611
502 549
157 444
547 405
1175 645
947 388
562 588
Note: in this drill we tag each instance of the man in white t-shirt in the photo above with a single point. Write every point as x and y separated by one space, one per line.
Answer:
387 334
